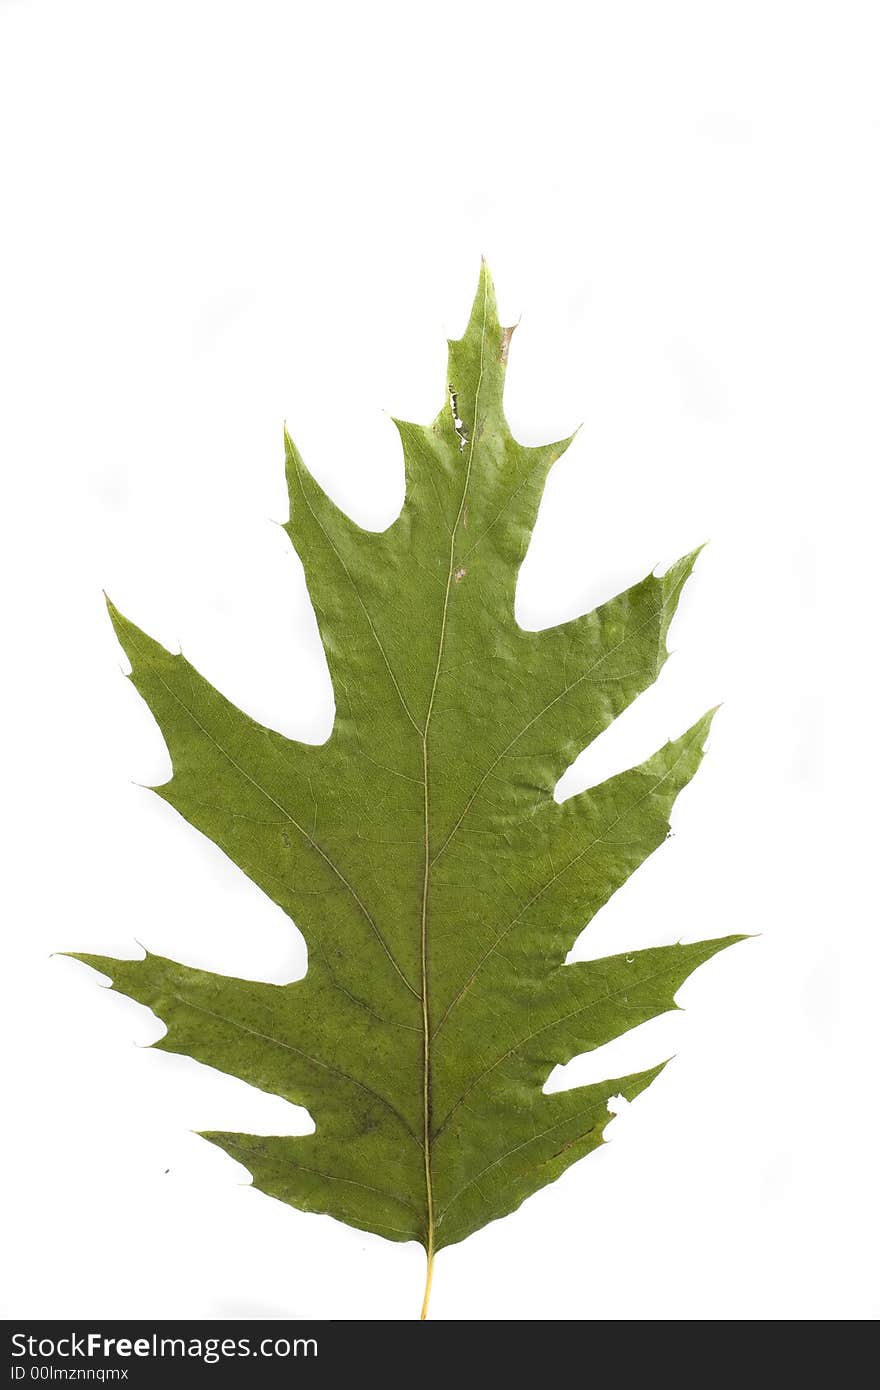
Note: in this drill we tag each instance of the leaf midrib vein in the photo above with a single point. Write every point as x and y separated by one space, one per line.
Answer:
426 881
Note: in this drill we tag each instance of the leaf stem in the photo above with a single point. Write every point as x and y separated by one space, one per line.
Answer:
429 1278
426 1028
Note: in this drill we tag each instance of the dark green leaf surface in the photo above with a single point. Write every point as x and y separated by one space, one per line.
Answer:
420 851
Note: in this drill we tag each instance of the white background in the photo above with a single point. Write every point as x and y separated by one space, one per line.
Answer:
217 216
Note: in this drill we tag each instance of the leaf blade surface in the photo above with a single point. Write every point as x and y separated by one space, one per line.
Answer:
438 884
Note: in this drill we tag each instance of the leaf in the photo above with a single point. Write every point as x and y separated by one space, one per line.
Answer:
438 884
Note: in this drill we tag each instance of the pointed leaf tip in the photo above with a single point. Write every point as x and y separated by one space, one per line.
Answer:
483 320
699 731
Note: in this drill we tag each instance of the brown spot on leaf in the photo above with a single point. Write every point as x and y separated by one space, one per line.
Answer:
459 574
506 335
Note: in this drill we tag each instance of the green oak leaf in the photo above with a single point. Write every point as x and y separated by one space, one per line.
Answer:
438 884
